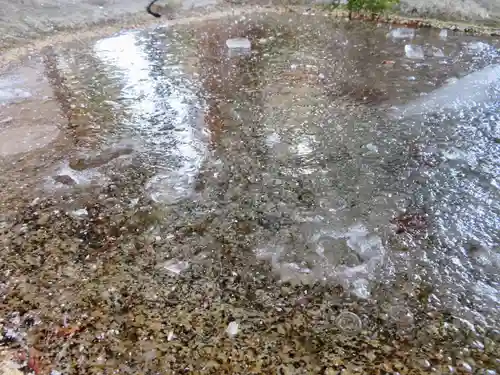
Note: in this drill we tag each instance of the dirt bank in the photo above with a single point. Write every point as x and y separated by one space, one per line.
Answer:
20 21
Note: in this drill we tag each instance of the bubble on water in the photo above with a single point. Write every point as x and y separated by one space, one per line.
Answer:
348 322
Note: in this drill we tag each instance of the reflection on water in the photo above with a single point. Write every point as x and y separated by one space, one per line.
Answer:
161 108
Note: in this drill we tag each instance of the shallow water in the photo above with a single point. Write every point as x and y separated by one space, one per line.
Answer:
177 163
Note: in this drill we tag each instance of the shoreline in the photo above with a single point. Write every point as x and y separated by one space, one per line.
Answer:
82 33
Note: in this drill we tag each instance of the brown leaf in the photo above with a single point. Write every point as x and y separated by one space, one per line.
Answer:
68 331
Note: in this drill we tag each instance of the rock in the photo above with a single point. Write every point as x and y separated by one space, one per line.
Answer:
97 160
44 219
64 179
414 52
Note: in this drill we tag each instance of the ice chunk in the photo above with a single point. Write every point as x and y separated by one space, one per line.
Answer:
414 52
238 46
402 33
238 43
443 34
437 52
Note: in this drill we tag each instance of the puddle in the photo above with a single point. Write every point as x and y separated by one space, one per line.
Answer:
288 165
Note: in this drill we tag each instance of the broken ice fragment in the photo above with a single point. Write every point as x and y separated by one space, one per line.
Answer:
443 34
175 266
239 43
238 46
371 147
437 52
232 329
402 33
414 52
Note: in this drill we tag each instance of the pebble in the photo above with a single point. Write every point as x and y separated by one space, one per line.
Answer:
43 219
232 329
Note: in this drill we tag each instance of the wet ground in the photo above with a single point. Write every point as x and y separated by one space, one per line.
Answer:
171 206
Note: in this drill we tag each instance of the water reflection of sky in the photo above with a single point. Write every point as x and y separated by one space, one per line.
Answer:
161 109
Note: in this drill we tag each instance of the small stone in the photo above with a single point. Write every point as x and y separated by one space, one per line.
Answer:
64 179
44 219
80 213
465 367
425 363
171 336
232 329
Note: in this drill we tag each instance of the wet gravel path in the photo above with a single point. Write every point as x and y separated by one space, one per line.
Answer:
107 268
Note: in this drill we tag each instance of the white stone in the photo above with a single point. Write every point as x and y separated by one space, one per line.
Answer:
232 329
